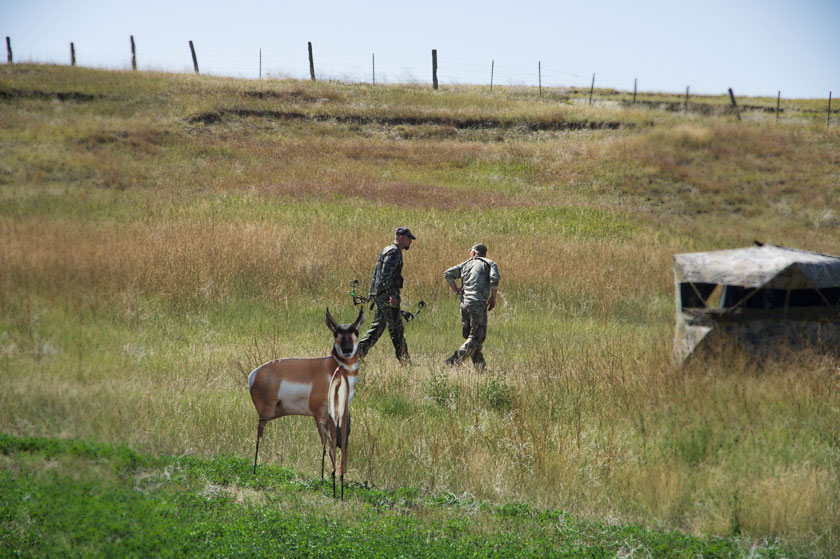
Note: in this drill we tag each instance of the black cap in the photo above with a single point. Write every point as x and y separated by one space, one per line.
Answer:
406 232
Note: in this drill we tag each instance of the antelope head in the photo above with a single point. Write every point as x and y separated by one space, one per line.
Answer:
346 335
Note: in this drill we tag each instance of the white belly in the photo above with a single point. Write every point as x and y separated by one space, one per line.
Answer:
294 397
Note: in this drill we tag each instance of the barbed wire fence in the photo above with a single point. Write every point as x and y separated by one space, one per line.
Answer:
404 70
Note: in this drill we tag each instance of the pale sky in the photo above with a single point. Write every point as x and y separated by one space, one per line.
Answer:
755 47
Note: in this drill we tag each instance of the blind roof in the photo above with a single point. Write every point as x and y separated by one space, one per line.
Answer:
759 266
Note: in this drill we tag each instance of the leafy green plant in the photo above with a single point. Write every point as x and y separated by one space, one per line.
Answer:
496 394
441 390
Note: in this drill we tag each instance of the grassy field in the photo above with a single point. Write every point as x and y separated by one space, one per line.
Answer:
161 235
81 499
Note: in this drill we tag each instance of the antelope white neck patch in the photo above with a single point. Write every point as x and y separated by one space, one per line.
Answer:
345 366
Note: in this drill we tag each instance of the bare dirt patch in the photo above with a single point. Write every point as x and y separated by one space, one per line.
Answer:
74 96
214 117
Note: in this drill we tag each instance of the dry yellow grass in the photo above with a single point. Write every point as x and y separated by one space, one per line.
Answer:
149 261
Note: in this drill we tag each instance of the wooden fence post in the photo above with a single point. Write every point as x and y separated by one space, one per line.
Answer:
434 69
828 118
734 104
260 63
492 67
778 101
373 66
635 83
686 100
539 75
311 61
9 50
133 55
195 60
591 89
72 54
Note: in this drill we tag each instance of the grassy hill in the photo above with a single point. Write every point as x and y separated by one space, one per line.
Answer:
161 235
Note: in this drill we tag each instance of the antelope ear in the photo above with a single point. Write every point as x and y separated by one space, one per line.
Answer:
359 319
331 323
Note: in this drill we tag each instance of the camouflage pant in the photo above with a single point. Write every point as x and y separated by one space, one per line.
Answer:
474 329
389 316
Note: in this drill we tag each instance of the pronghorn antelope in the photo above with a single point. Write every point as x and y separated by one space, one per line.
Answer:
321 387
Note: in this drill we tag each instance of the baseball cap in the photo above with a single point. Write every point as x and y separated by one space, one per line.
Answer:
405 231
480 249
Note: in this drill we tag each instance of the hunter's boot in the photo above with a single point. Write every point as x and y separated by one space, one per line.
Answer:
456 358
478 361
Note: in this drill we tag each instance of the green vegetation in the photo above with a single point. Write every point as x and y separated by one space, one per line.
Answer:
75 498
161 235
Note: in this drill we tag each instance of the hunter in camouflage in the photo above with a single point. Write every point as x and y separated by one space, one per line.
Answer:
479 284
385 290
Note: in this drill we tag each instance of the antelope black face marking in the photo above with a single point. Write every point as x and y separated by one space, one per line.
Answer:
347 344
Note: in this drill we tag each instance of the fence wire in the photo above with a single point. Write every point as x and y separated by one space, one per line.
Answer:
383 69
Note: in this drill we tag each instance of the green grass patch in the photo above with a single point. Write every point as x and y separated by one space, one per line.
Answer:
75 498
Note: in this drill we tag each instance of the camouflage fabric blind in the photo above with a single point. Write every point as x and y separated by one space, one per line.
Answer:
478 276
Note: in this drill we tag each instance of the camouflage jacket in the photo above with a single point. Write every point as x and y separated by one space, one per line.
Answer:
387 276
478 275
